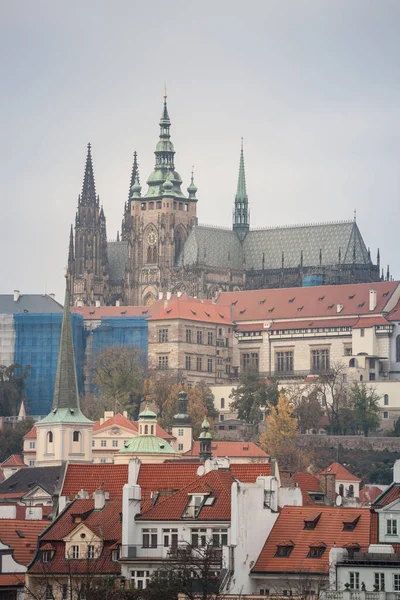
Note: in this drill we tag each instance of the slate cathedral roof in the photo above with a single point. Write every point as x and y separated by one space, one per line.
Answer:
268 248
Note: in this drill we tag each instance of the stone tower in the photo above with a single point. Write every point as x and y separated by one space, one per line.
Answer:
65 434
161 221
87 260
182 425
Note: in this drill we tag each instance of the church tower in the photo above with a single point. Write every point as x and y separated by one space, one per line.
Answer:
87 261
65 434
241 217
161 221
182 425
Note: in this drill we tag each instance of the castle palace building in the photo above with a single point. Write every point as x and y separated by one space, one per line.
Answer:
162 248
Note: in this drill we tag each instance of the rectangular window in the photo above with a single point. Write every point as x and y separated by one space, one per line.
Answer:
90 551
379 581
220 331
149 538
188 336
49 592
170 538
180 432
284 361
222 402
362 332
163 362
75 551
32 445
210 338
250 360
64 591
320 360
188 363
32 463
391 527
46 556
163 335
354 580
385 414
220 537
209 365
396 582
151 205
93 443
115 443
198 363
180 447
103 443
199 337
199 538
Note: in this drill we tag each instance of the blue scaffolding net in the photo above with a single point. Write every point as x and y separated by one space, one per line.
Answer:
37 339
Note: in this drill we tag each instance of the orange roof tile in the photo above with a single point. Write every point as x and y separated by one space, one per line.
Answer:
369 494
388 496
117 420
328 531
365 322
315 324
92 312
24 542
320 301
193 309
108 477
12 580
234 449
31 434
15 460
342 474
307 483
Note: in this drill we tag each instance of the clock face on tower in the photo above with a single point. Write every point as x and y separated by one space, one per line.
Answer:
152 238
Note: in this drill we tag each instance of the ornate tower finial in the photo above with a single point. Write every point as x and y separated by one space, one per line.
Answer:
88 189
136 188
135 167
71 256
241 213
192 189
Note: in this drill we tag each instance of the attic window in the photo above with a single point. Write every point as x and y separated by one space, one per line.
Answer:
222 316
271 309
209 501
169 310
312 521
351 525
243 311
263 301
192 311
234 303
385 294
361 305
20 533
311 324
207 313
194 506
316 550
284 549
292 300
123 312
91 312
144 312
351 297
246 447
300 308
330 306
321 298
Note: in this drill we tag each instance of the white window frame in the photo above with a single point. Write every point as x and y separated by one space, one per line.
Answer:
354 580
391 526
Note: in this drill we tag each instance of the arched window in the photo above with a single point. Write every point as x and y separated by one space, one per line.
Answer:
398 348
341 490
152 430
353 363
154 256
149 254
75 436
50 437
351 491
146 429
386 399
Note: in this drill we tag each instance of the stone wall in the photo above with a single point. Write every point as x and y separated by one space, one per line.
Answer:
350 442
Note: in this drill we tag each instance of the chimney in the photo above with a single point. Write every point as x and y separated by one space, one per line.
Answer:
178 294
125 414
339 308
79 303
100 497
160 295
97 303
52 296
117 303
328 486
17 294
396 471
168 295
33 513
372 299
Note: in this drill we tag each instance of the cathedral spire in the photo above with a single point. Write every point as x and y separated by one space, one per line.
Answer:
133 175
71 246
241 213
88 189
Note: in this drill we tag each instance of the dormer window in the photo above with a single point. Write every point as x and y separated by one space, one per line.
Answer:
351 525
46 556
194 505
284 549
316 550
311 521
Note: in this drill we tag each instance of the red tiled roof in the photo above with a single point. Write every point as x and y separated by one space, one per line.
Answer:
369 494
215 483
31 434
388 496
14 495
23 547
91 312
394 315
234 449
117 420
366 322
276 325
328 530
192 309
248 473
307 483
109 477
342 474
306 302
103 565
15 460
12 580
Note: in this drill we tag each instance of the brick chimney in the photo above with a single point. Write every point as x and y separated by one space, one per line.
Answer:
328 486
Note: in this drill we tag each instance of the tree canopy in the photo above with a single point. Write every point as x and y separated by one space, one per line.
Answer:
252 394
12 388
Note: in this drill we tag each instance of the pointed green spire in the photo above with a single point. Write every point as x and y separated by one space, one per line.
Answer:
241 212
66 397
88 195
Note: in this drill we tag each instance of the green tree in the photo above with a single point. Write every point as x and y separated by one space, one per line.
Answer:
200 404
158 386
364 402
119 375
12 438
12 388
253 393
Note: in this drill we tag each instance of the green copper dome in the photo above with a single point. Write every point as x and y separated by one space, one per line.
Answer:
147 444
205 434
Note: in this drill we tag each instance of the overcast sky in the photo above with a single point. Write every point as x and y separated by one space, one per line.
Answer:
313 86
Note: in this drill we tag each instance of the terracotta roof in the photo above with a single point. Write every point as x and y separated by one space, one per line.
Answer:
119 420
315 324
388 496
366 322
15 460
369 494
192 309
305 302
307 483
21 535
109 477
31 434
12 580
234 449
394 315
92 312
342 474
328 530
215 483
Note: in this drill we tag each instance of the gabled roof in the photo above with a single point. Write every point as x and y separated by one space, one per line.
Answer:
328 530
31 303
31 435
365 322
216 484
13 461
308 302
230 449
21 535
24 480
307 483
193 309
391 494
342 474
369 494
119 420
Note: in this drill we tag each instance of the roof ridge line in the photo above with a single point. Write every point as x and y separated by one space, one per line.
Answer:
316 224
